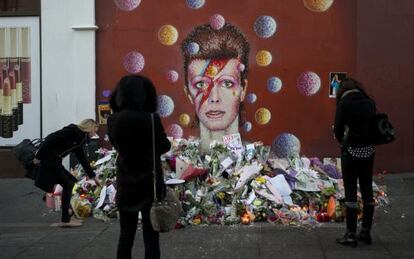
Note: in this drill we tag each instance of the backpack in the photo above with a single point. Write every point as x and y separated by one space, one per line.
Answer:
25 152
382 130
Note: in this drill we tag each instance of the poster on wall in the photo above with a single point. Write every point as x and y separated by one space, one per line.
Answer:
335 79
20 101
104 110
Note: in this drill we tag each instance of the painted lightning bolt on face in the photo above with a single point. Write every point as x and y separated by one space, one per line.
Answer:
213 68
216 91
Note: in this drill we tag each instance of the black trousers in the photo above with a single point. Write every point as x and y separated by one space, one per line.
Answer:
354 169
129 222
52 172
67 183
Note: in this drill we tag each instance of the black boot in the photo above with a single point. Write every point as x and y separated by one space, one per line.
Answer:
349 239
365 236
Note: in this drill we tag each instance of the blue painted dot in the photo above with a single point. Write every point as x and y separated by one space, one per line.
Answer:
193 48
251 98
265 26
247 126
274 84
286 145
195 4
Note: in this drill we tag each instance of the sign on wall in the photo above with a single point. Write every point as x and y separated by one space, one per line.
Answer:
20 100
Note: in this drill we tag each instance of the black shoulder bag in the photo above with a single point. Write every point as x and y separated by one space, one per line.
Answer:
25 152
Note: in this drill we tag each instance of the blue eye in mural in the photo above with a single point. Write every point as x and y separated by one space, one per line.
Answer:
247 126
165 106
217 21
193 48
309 83
286 145
251 98
195 4
274 84
265 26
134 62
175 131
127 5
172 76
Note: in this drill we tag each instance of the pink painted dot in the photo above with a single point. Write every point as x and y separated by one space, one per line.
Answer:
217 21
309 83
127 5
175 131
134 62
172 76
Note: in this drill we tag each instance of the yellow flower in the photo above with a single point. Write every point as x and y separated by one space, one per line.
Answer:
260 180
197 221
221 195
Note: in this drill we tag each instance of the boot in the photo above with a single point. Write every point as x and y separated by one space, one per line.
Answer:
365 236
349 239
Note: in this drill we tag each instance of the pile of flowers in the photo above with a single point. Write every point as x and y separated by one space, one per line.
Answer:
233 186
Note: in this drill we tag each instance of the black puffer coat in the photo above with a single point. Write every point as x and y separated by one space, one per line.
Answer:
130 132
55 147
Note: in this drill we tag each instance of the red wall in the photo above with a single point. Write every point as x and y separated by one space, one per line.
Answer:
385 64
320 42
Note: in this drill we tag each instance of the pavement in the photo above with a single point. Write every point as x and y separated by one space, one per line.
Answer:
25 232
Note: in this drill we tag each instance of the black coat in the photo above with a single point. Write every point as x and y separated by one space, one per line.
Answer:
130 132
55 147
355 111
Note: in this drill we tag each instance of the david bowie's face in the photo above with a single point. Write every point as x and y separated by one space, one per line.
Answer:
216 91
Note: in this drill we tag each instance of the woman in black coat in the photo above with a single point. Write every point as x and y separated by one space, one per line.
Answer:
130 132
354 116
55 147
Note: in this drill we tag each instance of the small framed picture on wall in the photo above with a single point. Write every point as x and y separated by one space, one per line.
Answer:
335 79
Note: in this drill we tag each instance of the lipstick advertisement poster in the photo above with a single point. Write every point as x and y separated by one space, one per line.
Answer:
20 101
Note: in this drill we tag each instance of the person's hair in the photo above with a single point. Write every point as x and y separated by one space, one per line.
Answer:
87 125
134 92
225 43
347 84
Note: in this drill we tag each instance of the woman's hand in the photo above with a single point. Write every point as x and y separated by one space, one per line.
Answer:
97 181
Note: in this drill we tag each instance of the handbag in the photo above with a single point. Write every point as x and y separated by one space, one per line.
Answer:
25 153
382 130
165 212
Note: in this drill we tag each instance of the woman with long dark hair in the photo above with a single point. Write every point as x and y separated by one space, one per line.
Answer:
130 132
353 119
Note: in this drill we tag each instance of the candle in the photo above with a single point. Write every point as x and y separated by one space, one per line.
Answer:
245 219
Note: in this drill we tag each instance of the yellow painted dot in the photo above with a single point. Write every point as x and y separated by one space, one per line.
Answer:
263 58
318 5
184 119
167 35
262 116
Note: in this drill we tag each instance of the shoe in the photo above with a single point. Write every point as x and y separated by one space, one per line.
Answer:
348 239
75 219
70 224
365 237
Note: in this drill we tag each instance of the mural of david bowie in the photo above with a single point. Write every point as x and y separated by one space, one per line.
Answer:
216 79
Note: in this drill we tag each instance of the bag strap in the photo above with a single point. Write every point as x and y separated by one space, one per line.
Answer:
153 157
